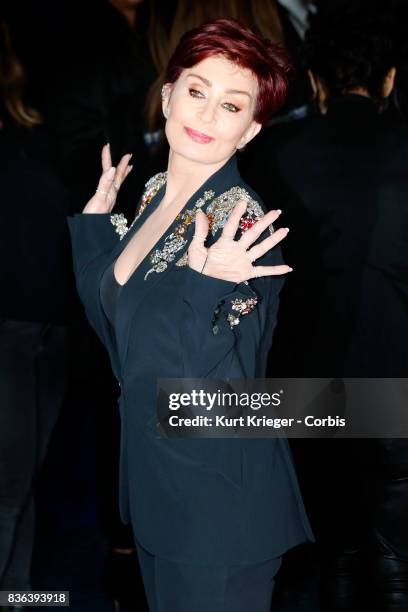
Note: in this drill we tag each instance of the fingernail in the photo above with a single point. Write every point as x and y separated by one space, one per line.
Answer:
108 144
279 211
286 228
130 167
130 156
290 269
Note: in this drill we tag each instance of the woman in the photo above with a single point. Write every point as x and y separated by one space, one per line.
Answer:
211 518
262 16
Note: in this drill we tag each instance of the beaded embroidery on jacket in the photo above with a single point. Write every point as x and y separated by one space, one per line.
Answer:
217 211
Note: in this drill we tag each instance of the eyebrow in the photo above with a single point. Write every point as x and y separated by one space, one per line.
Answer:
209 84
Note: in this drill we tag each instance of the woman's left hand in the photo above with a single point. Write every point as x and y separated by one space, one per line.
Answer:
232 260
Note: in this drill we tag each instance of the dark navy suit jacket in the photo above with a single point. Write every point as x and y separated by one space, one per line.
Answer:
203 501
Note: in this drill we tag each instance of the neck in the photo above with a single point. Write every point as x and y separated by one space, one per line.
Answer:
185 177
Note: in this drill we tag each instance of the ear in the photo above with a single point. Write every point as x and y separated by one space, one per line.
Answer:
249 134
388 83
165 95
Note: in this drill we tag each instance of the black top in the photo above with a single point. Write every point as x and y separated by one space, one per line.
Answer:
110 291
341 182
35 269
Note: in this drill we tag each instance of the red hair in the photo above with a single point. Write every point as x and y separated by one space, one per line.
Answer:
237 43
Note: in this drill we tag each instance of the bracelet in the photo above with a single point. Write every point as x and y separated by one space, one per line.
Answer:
204 264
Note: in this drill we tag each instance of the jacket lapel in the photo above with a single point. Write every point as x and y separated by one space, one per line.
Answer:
166 252
102 324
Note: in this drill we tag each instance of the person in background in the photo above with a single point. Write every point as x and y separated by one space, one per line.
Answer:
36 277
99 96
104 76
294 16
340 178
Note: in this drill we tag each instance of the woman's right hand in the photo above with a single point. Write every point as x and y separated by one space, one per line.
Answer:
109 184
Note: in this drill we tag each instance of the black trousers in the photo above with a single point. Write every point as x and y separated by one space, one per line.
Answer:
32 385
180 587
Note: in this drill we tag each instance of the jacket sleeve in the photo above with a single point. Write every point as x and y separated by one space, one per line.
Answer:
227 328
91 236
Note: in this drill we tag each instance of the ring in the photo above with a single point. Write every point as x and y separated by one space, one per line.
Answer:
101 191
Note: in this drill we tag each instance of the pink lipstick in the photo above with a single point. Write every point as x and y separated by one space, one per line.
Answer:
198 136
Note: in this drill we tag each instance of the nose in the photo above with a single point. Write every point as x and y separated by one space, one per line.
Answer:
207 112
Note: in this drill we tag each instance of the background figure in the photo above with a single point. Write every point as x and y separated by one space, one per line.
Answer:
34 306
99 94
92 68
100 97
294 16
340 178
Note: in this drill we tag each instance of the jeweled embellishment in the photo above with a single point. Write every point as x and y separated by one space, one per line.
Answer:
240 307
183 261
152 186
174 242
247 221
221 207
119 222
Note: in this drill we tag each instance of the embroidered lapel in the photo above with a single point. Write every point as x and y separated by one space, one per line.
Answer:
177 239
217 211
220 208
152 187
217 207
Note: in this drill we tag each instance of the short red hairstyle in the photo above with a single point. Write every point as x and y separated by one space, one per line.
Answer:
229 38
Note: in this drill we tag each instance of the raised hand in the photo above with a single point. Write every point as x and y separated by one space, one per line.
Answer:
109 184
232 260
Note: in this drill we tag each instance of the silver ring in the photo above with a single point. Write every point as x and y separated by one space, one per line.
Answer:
101 191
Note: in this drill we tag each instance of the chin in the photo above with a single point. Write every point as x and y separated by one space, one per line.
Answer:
201 154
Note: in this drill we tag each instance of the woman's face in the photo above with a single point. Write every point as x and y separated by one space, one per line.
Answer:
209 110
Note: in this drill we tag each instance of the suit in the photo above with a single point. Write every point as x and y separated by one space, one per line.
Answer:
198 501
